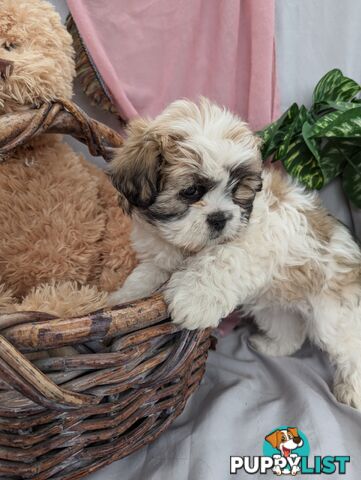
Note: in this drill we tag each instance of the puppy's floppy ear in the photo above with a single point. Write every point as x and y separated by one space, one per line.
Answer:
274 438
293 431
136 166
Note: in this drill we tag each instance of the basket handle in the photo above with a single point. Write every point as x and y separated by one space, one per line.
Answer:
18 373
27 332
61 116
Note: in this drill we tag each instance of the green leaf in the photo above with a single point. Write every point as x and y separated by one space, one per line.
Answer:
343 106
335 87
332 160
293 129
339 124
273 135
310 142
351 180
299 153
302 164
327 107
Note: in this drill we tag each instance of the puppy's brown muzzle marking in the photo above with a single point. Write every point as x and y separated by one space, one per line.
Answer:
6 68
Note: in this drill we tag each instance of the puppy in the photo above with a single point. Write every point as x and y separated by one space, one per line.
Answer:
192 181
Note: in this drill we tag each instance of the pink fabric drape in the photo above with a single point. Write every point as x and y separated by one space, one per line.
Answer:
150 52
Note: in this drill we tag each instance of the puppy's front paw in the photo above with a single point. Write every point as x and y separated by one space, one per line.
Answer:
192 307
118 297
347 393
269 346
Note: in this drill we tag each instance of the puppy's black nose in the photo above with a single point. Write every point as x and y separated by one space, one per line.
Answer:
297 440
6 68
217 221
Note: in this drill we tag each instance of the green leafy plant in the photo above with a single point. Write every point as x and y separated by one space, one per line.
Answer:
319 144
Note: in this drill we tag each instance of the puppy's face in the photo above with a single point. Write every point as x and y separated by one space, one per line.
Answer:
193 173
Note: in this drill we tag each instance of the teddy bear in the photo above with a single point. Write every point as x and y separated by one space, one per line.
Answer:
64 240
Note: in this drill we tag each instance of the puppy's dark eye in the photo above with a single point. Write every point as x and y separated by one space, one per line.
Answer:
9 46
193 193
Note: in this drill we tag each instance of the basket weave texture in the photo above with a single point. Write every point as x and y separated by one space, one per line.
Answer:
65 417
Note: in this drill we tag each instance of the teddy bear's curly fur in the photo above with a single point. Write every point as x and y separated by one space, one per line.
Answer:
64 240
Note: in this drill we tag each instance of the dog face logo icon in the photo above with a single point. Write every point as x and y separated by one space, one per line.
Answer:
286 440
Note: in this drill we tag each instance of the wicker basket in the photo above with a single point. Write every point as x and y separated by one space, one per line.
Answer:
65 417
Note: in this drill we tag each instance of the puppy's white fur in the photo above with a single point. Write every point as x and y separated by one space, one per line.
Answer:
287 261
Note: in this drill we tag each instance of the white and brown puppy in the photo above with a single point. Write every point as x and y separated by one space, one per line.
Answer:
192 181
